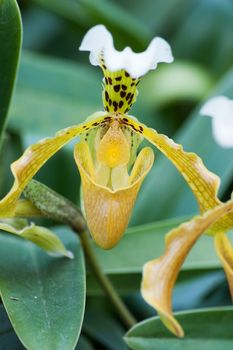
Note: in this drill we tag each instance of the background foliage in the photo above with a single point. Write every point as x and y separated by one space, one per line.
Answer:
57 87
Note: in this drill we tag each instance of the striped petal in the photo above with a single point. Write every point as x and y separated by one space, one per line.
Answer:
225 252
159 275
202 182
36 156
108 211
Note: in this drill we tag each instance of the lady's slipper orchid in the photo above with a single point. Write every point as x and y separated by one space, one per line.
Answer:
220 109
106 154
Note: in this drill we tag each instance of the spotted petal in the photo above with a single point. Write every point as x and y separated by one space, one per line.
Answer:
41 236
107 210
202 182
34 158
159 275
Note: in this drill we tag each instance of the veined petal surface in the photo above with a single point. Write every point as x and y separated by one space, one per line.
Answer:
159 275
36 156
202 182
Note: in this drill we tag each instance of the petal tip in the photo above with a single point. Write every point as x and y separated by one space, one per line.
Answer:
99 41
68 254
95 39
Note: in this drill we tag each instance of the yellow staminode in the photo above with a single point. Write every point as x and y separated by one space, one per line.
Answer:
113 149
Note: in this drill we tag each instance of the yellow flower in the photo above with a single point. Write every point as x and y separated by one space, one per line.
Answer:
107 156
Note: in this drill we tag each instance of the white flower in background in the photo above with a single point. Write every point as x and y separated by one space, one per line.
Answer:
99 42
220 109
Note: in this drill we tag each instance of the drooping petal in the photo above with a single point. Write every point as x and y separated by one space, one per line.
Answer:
225 252
107 212
220 108
98 40
34 158
159 275
41 236
202 182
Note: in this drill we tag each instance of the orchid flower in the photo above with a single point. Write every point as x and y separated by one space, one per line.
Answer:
106 154
159 275
220 109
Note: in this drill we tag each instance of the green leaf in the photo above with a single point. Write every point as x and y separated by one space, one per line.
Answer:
204 329
43 296
10 44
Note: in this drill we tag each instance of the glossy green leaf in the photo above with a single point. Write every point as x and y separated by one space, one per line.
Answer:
204 329
44 296
10 44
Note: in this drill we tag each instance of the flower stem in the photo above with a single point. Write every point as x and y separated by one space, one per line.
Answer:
104 281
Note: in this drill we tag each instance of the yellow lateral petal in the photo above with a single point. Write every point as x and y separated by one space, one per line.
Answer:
159 275
107 212
202 182
41 236
34 158
225 253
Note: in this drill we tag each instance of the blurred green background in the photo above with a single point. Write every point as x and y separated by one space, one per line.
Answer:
58 87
